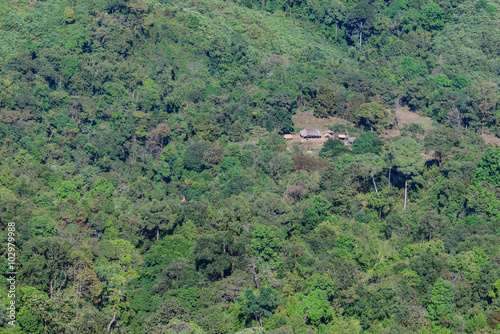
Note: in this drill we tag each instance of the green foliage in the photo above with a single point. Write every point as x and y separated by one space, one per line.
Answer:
43 226
407 157
487 169
476 323
167 250
333 148
266 243
442 140
215 254
367 143
373 116
441 302
262 305
158 216
67 191
316 213
325 102
152 191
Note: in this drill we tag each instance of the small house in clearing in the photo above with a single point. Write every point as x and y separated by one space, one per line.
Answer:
310 133
288 137
342 137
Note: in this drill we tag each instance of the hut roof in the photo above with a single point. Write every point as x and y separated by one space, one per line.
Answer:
288 136
342 136
310 132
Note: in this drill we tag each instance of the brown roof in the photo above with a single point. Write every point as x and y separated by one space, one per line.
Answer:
288 136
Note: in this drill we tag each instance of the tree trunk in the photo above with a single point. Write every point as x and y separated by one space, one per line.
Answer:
157 234
78 293
374 184
112 320
389 183
360 34
336 26
406 190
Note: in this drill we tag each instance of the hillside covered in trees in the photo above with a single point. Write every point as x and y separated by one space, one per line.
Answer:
143 164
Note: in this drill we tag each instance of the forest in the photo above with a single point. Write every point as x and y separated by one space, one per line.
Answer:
146 186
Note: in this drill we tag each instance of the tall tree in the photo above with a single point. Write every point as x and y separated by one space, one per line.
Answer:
371 165
361 17
373 116
441 303
441 140
408 160
484 98
261 306
158 215
325 102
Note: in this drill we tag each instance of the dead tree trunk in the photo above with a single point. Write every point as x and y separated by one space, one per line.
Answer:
112 320
374 184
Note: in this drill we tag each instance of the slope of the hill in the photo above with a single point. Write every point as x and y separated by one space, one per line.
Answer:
143 165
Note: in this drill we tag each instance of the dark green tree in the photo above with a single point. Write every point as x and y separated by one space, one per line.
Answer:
373 116
441 140
262 305
406 155
325 102
159 215
216 255
367 143
360 18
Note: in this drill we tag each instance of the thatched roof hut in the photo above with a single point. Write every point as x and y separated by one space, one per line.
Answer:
342 137
288 137
310 133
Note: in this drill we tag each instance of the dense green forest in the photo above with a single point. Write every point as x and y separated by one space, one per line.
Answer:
143 164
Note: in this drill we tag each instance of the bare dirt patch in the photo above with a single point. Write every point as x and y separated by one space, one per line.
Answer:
405 116
491 139
306 119
308 144
391 133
